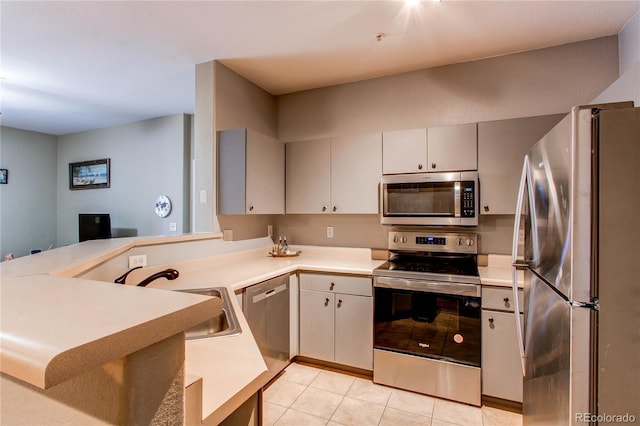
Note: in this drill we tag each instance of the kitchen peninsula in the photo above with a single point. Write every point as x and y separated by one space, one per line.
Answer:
64 322
66 325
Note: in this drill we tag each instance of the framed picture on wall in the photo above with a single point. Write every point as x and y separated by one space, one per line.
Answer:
90 174
4 176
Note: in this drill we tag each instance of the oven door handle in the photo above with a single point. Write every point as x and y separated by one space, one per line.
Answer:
458 289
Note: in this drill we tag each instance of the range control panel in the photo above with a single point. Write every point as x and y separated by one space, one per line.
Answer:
437 242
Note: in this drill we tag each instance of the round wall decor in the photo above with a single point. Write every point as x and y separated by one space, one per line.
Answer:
163 206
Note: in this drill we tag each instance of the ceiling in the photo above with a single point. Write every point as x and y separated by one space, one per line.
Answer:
71 66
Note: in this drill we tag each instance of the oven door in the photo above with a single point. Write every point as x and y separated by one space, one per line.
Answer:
429 199
428 319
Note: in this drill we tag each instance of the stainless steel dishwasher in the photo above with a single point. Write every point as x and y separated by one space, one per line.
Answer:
266 308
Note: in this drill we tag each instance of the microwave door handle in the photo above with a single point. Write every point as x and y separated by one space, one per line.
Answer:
514 260
456 198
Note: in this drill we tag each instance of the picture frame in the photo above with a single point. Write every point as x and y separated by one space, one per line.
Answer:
90 174
4 176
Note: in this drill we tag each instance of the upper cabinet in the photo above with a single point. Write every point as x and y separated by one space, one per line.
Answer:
502 146
437 149
250 173
339 175
452 148
308 175
404 151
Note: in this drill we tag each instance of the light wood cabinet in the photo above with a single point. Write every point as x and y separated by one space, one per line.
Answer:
339 175
436 149
336 319
501 366
250 173
502 146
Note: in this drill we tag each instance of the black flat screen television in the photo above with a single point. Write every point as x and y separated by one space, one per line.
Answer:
94 226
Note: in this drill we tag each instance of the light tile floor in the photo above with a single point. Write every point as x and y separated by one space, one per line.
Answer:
306 395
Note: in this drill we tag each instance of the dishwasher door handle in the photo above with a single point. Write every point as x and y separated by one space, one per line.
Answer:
269 293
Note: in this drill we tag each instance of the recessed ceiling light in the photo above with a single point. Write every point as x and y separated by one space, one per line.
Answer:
412 3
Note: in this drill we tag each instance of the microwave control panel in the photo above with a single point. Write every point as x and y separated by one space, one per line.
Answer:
468 199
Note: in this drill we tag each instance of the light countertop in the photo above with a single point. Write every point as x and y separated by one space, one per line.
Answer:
499 272
44 344
40 338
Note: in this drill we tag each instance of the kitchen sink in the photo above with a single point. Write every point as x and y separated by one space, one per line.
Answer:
223 323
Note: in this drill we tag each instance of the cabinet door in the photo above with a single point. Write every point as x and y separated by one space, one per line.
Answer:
404 151
452 148
501 367
265 174
502 146
317 324
356 169
308 176
354 331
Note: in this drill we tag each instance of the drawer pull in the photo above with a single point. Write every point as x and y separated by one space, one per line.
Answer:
326 301
332 286
339 303
491 323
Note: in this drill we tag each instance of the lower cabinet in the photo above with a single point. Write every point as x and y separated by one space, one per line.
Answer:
336 319
501 366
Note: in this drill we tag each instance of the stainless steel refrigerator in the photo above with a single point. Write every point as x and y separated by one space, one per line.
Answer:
579 211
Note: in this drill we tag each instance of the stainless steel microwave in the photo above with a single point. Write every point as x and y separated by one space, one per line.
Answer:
430 199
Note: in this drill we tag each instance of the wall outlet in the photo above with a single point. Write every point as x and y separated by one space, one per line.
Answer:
135 261
172 227
329 231
269 230
227 235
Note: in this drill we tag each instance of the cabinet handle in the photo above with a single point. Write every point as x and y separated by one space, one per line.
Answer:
339 303
326 301
332 286
335 209
491 323
506 302
419 166
486 208
250 208
433 165
324 208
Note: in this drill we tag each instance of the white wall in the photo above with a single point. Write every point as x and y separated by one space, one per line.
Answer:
148 158
28 205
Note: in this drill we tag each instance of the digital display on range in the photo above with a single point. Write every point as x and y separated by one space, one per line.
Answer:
440 241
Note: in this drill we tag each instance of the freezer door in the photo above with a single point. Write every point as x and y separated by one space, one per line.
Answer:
547 355
556 385
548 251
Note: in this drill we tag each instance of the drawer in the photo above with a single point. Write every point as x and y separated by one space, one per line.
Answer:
345 284
500 298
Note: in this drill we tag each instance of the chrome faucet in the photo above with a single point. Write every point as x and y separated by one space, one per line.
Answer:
170 274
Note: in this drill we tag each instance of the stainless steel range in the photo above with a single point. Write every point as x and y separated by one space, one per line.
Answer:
427 316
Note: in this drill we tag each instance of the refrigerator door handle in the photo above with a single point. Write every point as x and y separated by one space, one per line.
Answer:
514 259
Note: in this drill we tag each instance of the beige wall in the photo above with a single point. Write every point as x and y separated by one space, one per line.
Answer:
531 83
627 87
538 82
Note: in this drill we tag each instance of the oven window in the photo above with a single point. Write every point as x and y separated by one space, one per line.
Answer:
420 199
432 325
